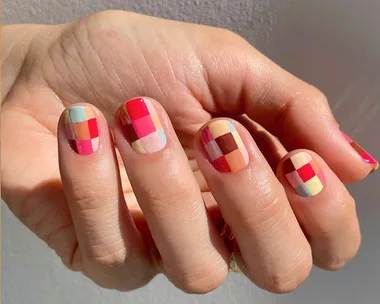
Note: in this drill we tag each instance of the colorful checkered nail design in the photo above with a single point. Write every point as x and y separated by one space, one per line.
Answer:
224 147
367 158
303 174
82 129
142 126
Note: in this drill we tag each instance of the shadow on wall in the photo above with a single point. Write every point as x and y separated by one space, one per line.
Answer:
325 53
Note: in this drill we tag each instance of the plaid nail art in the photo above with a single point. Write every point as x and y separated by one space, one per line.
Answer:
224 147
142 126
303 174
367 158
82 129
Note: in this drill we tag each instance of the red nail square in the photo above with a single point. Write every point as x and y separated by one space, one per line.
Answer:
93 128
306 172
137 108
221 164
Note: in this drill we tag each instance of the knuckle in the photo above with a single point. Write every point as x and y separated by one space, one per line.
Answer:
107 15
287 280
287 276
269 197
87 196
229 35
309 94
107 260
179 191
201 280
334 249
339 260
200 284
270 209
277 284
334 263
315 99
317 95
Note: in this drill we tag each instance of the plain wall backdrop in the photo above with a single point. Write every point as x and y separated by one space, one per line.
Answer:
333 44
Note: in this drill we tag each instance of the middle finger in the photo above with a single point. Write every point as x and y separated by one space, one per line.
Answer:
193 254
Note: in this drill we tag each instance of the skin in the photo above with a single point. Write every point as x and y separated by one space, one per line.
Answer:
194 72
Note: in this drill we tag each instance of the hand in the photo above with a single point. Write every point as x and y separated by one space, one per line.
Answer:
195 72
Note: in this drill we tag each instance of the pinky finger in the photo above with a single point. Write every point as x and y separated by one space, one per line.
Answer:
323 207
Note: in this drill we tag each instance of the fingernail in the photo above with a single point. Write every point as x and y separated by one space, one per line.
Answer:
142 126
303 174
82 129
367 158
224 146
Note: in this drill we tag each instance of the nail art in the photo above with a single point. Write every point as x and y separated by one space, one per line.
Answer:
224 146
303 174
82 129
142 126
363 154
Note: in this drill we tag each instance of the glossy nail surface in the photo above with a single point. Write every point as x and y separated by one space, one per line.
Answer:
224 146
142 126
303 174
82 129
367 158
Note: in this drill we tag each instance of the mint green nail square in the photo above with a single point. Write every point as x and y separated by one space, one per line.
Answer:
162 135
77 114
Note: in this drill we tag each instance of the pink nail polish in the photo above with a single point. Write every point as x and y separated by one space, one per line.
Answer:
82 129
367 158
142 126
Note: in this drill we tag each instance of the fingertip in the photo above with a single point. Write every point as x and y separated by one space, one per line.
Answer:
144 124
369 163
303 173
222 142
80 127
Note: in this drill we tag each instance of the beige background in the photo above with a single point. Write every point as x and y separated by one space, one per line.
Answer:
333 44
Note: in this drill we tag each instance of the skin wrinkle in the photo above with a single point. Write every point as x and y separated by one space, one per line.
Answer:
78 42
116 81
142 86
172 196
38 226
267 195
163 47
48 129
106 253
4 60
55 235
201 259
111 259
282 277
53 64
28 210
27 62
180 110
187 84
65 58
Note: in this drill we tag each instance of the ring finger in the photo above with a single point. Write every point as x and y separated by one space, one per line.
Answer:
275 252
